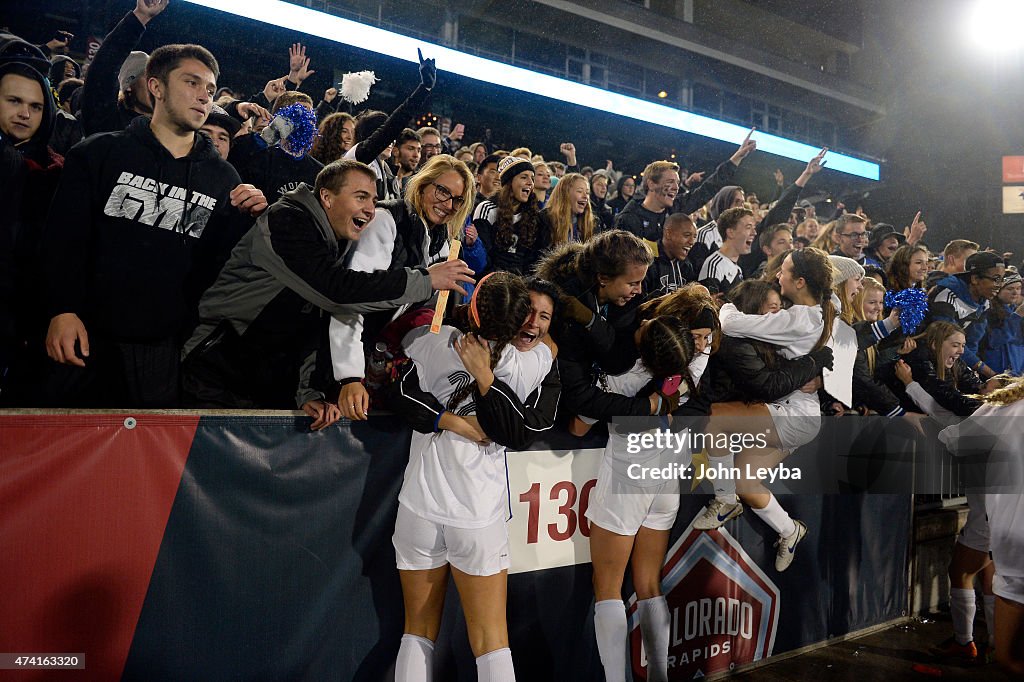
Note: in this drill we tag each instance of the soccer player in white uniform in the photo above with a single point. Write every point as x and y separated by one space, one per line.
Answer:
630 517
994 430
806 280
453 506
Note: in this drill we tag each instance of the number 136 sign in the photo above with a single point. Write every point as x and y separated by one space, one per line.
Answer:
550 490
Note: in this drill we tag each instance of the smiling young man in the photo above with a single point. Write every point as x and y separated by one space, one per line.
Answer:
671 269
646 219
262 322
128 230
964 299
721 271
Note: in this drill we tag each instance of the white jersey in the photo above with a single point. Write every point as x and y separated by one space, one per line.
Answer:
709 236
996 431
616 456
722 270
449 479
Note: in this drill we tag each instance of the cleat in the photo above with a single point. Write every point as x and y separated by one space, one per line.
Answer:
952 649
787 547
717 513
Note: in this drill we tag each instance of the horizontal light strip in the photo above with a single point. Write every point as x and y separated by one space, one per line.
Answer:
347 32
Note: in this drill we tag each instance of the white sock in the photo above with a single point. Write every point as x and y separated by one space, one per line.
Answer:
496 666
654 629
724 486
990 617
610 626
415 655
777 517
962 608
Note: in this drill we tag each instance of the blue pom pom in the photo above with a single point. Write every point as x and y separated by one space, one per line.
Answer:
301 138
913 306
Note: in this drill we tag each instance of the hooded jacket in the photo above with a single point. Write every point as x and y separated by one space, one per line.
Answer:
119 246
641 222
1003 345
950 300
666 274
270 296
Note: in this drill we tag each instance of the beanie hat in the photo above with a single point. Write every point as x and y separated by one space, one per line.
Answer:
219 117
512 166
134 66
845 268
1011 277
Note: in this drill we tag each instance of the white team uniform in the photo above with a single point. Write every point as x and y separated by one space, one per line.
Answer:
796 417
709 236
722 270
620 503
454 498
996 430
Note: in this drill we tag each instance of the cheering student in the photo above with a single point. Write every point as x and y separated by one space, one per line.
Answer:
510 225
454 504
671 270
908 268
720 272
568 217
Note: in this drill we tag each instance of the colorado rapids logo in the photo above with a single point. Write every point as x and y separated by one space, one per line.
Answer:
724 609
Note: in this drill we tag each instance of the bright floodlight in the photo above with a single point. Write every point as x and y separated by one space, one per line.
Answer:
996 24
373 39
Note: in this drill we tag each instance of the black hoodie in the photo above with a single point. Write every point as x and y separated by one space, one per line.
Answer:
101 112
120 238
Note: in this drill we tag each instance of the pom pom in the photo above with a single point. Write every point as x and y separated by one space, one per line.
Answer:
913 306
304 129
355 87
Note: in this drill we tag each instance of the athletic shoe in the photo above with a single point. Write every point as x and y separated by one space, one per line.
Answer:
787 546
717 513
952 649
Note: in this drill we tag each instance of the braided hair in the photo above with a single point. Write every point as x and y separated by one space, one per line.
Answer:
666 349
502 304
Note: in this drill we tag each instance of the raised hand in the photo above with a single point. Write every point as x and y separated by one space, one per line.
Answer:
274 89
330 94
568 150
298 63
915 232
746 147
147 9
428 71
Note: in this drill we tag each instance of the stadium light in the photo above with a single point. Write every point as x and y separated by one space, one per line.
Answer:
995 25
380 41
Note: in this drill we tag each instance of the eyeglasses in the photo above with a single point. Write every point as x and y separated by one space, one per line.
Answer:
443 194
431 147
856 236
995 280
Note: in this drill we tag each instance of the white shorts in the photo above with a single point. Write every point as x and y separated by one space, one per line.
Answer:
1009 587
975 533
796 418
421 544
621 507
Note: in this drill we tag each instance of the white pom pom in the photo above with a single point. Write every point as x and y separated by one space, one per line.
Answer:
355 87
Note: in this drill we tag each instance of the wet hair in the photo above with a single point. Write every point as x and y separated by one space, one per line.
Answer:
505 227
690 303
503 304
666 348
334 175
610 254
327 146
407 135
934 335
560 213
898 272
654 170
167 58
814 266
749 297
438 165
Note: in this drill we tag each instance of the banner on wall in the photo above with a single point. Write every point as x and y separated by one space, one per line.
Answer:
184 548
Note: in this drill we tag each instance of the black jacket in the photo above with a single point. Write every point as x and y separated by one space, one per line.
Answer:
101 112
606 347
519 257
951 392
119 246
665 274
604 219
871 393
738 371
272 170
261 322
689 200
641 222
